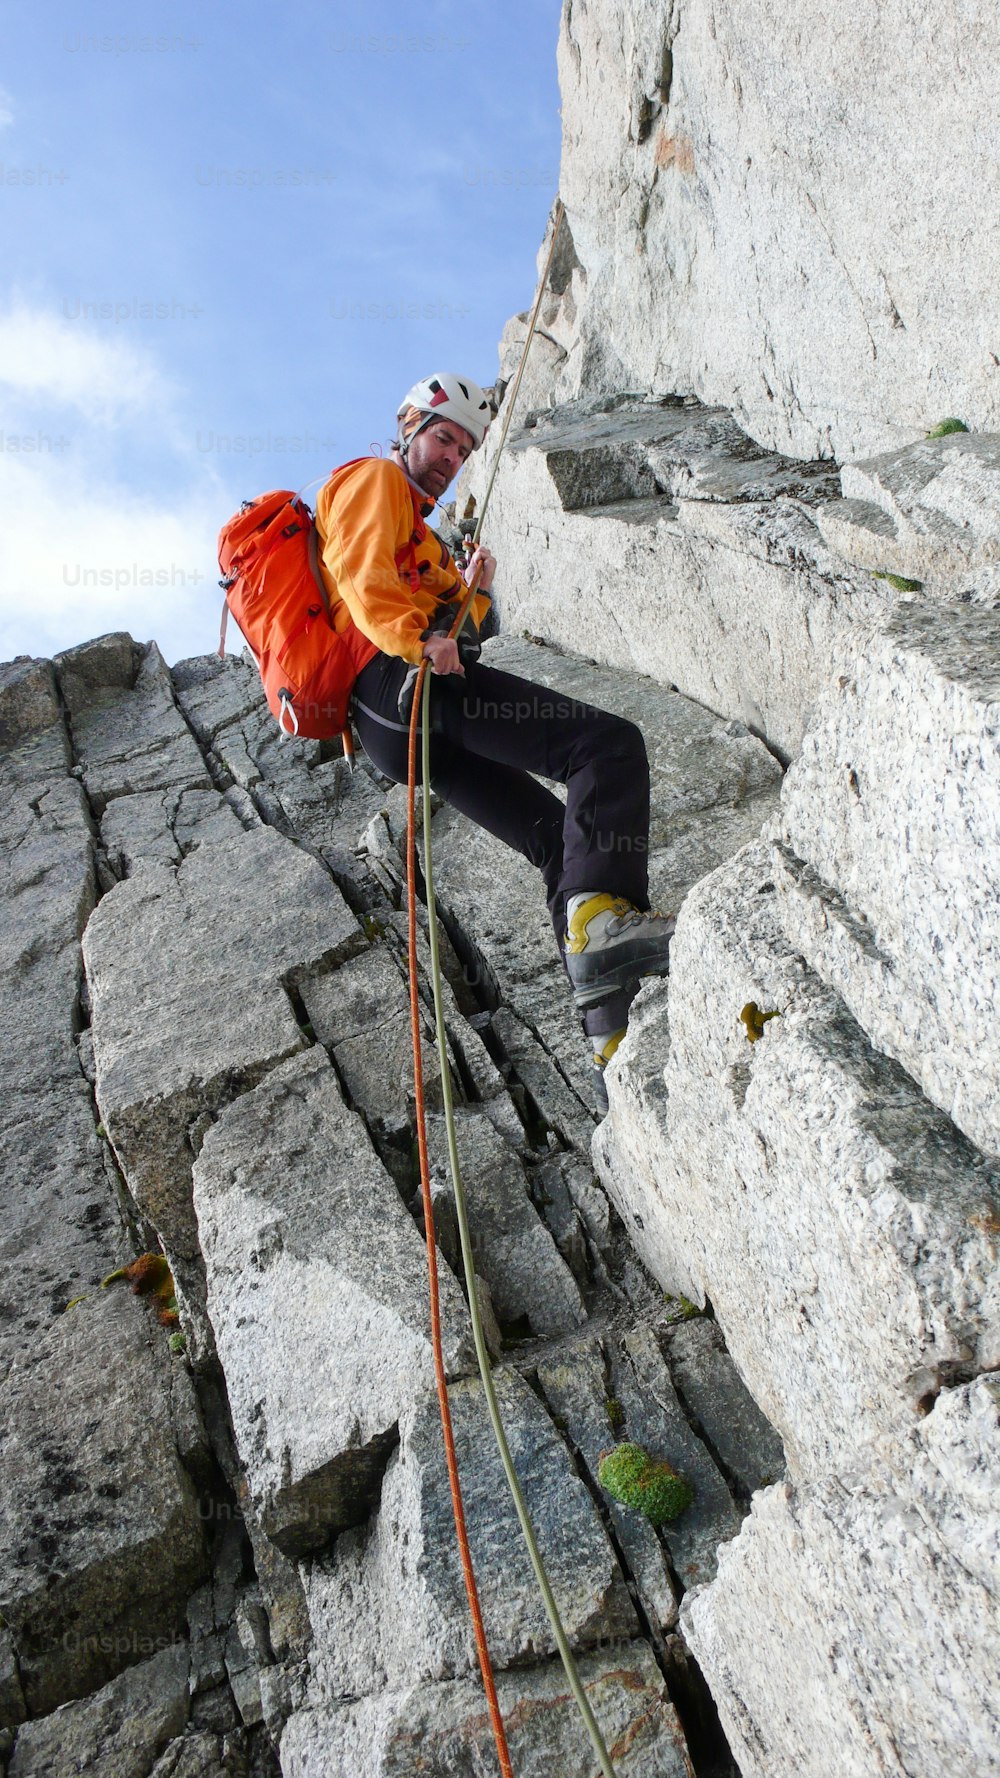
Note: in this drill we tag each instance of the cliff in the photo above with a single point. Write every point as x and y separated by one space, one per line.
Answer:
775 1261
239 1556
783 212
734 467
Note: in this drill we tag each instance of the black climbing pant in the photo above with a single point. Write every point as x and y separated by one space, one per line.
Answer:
489 733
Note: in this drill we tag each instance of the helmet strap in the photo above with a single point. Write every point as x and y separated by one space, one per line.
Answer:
403 444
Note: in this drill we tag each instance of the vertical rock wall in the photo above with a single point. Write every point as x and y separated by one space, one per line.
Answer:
784 212
237 1557
749 283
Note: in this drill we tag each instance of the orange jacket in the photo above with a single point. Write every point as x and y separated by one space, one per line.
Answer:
372 540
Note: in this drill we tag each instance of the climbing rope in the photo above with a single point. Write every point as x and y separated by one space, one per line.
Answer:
441 1380
468 1264
420 714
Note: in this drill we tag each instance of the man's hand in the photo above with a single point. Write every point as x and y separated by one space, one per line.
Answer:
442 652
481 554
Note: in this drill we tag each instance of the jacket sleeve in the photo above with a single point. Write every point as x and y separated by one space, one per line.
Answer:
362 521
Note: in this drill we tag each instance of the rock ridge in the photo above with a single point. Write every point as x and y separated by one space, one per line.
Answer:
238 1024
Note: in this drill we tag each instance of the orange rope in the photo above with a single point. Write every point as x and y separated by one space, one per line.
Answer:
479 1632
489 1685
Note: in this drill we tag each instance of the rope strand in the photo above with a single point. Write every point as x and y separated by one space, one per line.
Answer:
420 710
468 1264
468 1574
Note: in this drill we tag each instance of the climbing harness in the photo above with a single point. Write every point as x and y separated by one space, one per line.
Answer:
420 714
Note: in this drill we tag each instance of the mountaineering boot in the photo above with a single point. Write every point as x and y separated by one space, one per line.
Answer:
605 1024
609 942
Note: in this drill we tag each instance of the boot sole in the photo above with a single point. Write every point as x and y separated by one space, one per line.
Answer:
583 998
594 979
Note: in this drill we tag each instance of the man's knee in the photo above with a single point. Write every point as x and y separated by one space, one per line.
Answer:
623 740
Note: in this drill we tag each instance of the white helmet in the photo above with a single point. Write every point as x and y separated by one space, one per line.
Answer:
449 398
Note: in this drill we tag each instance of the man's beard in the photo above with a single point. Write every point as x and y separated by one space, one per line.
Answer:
418 477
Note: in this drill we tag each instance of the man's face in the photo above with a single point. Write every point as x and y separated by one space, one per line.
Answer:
436 455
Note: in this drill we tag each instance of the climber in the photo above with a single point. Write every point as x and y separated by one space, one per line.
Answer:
491 731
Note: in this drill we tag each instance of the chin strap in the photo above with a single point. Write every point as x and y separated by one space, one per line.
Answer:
403 444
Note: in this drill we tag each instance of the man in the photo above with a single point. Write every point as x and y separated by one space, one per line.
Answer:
491 731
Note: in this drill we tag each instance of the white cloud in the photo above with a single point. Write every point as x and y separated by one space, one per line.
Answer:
77 561
82 551
48 357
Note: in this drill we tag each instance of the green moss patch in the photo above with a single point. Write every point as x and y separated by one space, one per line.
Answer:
647 1484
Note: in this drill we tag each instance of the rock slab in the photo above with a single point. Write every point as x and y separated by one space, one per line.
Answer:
188 973
889 861
317 1293
102 1540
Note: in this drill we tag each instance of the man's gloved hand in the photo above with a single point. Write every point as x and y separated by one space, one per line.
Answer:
480 558
447 657
469 650
469 645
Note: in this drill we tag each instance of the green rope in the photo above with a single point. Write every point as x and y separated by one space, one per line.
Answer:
485 1369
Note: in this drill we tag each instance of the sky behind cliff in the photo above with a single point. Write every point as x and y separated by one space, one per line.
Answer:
232 241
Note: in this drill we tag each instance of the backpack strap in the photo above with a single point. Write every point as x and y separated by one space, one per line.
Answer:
317 573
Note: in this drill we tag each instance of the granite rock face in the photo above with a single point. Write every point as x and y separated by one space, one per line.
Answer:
739 186
102 1538
930 512
514 1250
402 1579
48 892
32 736
361 1013
207 969
803 1129
243 1023
845 1232
290 785
128 734
445 1726
122 1730
103 1451
889 863
308 1249
607 1396
911 1559
840 1225
60 1224
658 531
740 1436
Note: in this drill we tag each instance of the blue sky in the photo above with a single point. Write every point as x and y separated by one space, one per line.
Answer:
232 239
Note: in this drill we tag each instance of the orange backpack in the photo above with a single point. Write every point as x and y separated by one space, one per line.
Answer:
275 591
